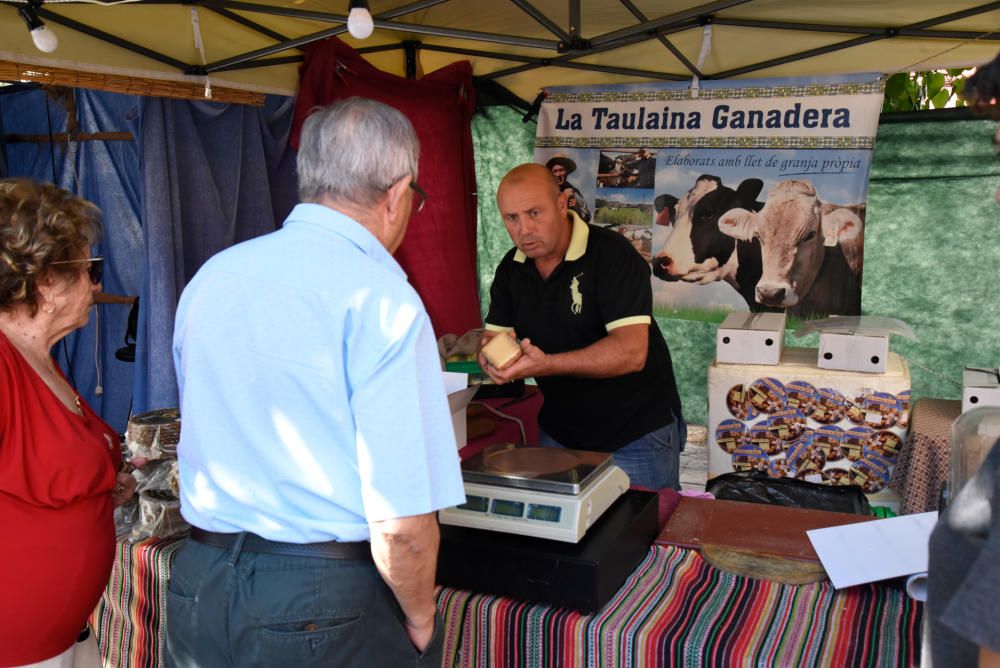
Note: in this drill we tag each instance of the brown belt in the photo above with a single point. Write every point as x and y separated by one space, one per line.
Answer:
359 551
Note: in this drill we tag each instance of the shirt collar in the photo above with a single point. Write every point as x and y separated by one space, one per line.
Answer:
332 221
577 241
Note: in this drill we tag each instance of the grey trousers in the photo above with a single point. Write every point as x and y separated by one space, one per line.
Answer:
228 609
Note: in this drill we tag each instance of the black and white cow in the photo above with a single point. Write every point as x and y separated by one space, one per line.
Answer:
697 251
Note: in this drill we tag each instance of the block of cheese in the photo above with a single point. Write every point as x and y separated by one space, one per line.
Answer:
501 351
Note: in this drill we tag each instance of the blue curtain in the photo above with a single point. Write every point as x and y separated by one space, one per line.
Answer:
105 172
212 175
3 150
197 178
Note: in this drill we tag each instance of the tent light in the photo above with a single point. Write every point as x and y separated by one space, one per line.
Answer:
44 39
359 19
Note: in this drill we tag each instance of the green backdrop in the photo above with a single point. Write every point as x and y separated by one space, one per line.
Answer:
931 250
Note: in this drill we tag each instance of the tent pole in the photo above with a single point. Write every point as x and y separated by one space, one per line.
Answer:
886 33
410 58
232 16
569 64
574 19
663 40
644 29
566 60
544 20
111 39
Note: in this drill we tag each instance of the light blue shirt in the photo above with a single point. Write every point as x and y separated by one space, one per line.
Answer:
312 400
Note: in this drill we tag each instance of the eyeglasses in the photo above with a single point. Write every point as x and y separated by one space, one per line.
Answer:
418 191
95 269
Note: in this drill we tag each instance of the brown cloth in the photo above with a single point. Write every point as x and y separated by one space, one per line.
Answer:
452 344
922 467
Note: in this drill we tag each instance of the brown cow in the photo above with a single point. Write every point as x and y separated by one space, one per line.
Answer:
808 249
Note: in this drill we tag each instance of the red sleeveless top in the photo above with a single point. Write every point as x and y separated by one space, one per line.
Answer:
57 534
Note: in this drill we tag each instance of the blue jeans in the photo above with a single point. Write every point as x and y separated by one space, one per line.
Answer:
231 608
652 461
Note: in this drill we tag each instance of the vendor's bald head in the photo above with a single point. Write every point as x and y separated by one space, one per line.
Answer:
529 173
535 211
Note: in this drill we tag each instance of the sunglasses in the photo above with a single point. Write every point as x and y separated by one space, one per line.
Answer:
418 191
95 268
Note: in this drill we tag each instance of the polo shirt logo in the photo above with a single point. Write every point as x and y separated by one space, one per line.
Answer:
574 291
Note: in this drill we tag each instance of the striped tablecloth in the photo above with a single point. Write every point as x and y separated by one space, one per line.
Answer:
674 610
129 617
677 610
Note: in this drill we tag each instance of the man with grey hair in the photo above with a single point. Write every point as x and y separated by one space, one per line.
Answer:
315 537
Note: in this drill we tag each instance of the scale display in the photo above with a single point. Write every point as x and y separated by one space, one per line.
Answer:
543 492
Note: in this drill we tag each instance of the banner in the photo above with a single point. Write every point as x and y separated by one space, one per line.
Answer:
745 195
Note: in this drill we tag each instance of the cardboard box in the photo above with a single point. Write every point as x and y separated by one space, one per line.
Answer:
459 396
798 420
750 338
980 387
853 352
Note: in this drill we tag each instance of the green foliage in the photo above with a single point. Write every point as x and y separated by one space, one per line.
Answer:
917 91
632 216
623 216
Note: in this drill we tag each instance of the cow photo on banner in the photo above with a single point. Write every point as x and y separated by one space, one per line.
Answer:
743 195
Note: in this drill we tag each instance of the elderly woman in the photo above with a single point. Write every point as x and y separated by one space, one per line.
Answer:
59 479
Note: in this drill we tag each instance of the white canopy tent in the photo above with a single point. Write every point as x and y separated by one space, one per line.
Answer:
254 45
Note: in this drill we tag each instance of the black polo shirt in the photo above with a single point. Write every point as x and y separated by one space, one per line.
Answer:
602 283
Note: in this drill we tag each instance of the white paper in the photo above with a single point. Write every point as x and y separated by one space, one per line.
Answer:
872 551
455 382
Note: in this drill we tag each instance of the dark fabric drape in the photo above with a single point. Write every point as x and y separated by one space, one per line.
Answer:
213 175
439 251
106 173
3 150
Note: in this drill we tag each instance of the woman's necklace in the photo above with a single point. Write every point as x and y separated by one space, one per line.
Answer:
22 339
48 366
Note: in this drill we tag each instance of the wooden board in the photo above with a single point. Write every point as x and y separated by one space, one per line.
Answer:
754 528
763 566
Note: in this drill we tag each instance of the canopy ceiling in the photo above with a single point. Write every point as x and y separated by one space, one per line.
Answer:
522 44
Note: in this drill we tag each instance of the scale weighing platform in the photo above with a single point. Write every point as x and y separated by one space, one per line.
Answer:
551 493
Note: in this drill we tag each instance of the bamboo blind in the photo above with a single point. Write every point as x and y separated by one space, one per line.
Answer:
114 83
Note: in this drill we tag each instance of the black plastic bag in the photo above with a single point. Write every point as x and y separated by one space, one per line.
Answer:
756 488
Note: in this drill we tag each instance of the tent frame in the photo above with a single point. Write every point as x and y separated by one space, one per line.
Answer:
565 50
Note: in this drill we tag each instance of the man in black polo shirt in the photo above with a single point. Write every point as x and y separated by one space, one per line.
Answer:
579 298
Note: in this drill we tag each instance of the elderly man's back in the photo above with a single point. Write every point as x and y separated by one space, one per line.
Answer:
314 538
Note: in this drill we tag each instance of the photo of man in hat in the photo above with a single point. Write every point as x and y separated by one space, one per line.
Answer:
561 167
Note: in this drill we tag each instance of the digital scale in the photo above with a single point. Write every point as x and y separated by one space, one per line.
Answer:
551 493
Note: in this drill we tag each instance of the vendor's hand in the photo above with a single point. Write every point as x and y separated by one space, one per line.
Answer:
484 363
420 633
533 362
125 486
483 340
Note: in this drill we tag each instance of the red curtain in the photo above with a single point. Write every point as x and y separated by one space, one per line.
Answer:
439 251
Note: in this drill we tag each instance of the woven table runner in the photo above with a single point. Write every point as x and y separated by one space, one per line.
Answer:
677 610
129 617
